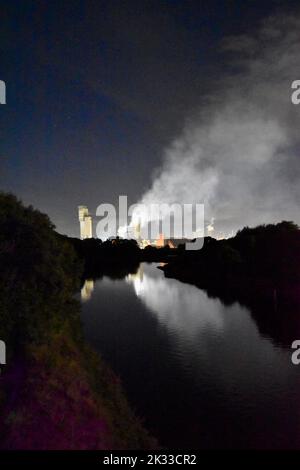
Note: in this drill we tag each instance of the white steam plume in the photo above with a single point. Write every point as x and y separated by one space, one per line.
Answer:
240 156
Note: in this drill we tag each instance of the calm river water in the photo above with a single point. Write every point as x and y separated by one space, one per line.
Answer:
199 373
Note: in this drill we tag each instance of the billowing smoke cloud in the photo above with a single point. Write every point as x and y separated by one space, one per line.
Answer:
240 155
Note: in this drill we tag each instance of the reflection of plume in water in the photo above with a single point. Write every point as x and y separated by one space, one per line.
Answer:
180 307
137 280
202 328
87 289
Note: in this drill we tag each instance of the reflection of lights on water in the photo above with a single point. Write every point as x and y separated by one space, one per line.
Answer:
87 289
137 280
198 327
181 307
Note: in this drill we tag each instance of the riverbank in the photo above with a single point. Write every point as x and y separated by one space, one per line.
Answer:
64 396
55 391
257 266
248 291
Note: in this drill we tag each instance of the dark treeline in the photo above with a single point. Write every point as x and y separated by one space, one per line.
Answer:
115 258
268 255
38 272
55 392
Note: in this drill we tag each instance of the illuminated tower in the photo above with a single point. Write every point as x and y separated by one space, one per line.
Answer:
137 231
85 220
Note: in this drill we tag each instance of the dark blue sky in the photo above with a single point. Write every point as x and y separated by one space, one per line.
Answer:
97 89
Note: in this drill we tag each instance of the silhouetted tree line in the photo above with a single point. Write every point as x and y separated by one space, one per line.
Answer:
264 259
38 272
116 257
110 257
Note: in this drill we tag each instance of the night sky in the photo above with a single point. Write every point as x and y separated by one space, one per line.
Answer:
98 90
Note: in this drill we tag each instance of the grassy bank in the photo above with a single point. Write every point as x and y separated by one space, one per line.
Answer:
55 392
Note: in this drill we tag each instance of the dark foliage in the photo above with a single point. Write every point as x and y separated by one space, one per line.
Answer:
264 260
38 272
55 393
